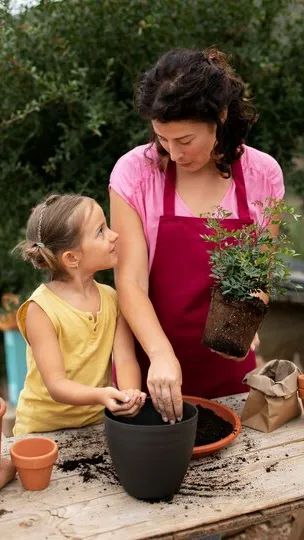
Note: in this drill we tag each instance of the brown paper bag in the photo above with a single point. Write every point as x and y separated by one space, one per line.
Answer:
297 531
273 397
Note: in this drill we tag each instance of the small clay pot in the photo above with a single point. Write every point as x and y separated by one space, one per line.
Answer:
34 459
232 324
151 457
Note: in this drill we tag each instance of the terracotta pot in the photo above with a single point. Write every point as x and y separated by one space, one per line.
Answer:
231 324
301 381
34 459
150 457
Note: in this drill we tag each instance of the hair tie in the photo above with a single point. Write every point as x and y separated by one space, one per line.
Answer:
39 244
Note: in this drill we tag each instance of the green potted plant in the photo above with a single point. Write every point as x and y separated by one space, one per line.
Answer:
245 264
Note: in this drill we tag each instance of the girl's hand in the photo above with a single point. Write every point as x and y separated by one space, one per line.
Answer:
137 401
115 400
164 383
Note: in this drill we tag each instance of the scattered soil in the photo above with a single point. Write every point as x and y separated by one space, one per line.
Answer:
95 467
3 512
205 480
210 427
90 468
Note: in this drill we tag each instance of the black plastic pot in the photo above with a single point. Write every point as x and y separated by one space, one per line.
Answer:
150 457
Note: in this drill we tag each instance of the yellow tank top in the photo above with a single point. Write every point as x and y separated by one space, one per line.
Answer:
86 346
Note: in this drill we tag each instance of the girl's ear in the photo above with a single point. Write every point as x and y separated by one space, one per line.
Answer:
70 259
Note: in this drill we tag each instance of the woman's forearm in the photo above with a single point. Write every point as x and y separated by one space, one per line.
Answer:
141 317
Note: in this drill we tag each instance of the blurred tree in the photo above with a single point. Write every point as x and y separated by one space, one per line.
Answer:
67 73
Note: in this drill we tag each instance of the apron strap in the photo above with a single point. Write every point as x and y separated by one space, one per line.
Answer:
169 191
240 190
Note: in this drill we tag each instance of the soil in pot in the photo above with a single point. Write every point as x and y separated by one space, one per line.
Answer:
210 427
151 457
231 324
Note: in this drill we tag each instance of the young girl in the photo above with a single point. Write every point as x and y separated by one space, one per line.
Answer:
71 324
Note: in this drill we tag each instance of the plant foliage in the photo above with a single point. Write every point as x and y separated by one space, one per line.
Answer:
250 259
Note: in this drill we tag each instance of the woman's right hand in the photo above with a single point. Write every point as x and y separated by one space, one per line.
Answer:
164 382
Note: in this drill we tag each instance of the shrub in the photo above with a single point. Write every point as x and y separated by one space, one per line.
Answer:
67 71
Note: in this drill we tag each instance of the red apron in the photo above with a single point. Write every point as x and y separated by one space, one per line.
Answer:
180 290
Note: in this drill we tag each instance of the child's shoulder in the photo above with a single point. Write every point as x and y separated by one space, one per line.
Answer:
108 292
38 293
40 297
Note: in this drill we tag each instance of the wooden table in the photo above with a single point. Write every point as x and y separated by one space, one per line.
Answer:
258 476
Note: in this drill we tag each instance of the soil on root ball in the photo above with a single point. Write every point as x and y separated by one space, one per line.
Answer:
231 324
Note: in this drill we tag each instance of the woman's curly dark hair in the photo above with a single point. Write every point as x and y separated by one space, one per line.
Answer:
189 84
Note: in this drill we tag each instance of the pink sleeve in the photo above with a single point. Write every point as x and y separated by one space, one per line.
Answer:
274 185
276 180
126 180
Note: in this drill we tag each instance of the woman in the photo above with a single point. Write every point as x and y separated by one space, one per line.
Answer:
198 160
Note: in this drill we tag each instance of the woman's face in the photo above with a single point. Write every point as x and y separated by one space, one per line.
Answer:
188 143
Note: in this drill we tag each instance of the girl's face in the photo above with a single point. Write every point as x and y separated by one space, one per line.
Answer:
188 143
98 244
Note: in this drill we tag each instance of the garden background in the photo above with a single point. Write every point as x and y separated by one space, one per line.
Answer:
67 75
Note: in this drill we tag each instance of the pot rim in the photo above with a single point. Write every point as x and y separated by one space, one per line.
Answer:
30 459
152 428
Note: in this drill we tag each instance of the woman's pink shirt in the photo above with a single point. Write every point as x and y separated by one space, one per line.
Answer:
137 178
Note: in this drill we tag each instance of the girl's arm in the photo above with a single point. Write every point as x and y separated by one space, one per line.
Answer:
42 338
132 278
127 369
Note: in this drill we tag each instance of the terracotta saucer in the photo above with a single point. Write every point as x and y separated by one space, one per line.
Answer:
224 412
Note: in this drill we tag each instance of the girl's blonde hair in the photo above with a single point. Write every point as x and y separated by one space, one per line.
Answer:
54 226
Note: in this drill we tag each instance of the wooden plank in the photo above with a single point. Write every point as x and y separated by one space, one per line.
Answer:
258 473
231 526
